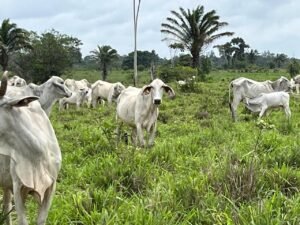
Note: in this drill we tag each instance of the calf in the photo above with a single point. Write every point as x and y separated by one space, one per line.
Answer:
269 100
77 98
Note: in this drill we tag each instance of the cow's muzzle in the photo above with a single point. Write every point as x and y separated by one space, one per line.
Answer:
157 101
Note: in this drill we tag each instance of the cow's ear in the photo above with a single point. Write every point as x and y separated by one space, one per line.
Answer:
146 90
19 102
170 91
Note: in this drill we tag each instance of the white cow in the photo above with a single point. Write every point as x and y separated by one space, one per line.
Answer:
244 87
88 98
77 98
265 101
76 85
48 93
30 157
138 107
181 82
17 81
296 82
105 90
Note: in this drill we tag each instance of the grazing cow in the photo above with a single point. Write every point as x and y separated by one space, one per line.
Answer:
105 90
88 98
138 107
48 93
76 85
77 98
181 82
265 101
17 81
244 87
296 82
30 157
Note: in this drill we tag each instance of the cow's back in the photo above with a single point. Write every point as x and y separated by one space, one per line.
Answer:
245 87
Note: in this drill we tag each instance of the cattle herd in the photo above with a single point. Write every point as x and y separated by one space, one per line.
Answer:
26 131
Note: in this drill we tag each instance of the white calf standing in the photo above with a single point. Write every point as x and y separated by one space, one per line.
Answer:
269 100
77 98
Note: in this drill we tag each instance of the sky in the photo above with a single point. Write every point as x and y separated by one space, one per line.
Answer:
265 25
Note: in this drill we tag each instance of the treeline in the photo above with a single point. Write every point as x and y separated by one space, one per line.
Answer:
37 57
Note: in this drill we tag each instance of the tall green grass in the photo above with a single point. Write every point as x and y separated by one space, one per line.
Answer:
202 169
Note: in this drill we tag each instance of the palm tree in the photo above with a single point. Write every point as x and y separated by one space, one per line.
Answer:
194 30
104 56
12 39
280 59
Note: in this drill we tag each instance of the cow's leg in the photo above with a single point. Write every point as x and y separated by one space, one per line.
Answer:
262 112
287 111
152 134
134 136
94 102
118 131
234 105
297 88
140 134
44 207
61 105
20 198
7 205
77 105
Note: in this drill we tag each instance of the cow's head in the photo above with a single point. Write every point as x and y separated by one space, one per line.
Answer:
84 91
156 89
282 84
118 88
16 102
58 86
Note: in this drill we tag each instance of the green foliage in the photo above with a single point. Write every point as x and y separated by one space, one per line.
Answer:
144 59
168 74
52 53
104 56
193 29
203 169
12 39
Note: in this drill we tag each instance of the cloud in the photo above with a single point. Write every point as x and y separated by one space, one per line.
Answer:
264 25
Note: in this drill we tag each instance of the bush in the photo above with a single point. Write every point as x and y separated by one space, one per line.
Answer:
168 74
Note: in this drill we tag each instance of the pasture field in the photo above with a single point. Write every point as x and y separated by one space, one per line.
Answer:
203 169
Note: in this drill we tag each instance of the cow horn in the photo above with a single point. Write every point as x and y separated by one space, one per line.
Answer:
3 84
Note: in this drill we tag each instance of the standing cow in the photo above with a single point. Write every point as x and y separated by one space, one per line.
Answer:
48 92
138 107
246 88
265 101
30 157
105 90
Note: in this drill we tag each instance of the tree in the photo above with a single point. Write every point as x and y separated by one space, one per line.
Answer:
12 39
280 59
194 30
52 53
104 55
252 56
226 51
175 47
135 19
233 50
145 59
294 67
238 44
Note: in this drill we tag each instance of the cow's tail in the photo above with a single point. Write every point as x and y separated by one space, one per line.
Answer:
229 97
